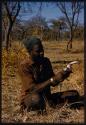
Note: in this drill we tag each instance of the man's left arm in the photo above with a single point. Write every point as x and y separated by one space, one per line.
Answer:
55 79
61 76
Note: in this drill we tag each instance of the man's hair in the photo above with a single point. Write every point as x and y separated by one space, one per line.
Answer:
30 42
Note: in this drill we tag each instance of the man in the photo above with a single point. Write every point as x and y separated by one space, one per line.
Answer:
37 76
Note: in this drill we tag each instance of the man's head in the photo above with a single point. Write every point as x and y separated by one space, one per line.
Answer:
35 48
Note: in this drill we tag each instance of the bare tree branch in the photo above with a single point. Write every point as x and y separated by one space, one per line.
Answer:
71 14
62 7
13 8
18 9
7 10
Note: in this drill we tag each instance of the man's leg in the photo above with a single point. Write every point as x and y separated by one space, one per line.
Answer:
66 96
34 102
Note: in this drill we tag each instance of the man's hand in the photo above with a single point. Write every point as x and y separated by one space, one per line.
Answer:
65 73
60 76
68 69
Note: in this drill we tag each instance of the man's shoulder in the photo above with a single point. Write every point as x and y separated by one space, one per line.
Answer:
46 59
25 65
26 62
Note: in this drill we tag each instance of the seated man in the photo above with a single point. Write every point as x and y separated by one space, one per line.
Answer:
37 76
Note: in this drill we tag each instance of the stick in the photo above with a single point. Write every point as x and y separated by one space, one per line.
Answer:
71 63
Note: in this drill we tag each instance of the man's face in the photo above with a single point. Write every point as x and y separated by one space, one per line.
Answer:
37 53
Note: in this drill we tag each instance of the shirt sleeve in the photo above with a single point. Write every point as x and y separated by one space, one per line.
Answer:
49 68
27 77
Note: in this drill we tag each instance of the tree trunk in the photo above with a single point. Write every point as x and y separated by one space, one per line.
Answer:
7 37
69 44
59 34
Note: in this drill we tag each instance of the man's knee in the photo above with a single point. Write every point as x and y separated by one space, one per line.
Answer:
31 99
34 102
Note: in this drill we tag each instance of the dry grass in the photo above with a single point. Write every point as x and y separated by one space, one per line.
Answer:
11 83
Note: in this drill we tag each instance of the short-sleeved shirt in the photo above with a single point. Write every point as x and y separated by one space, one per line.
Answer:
34 73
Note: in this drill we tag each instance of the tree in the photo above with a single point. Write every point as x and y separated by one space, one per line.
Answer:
11 10
36 25
79 32
71 12
18 31
58 25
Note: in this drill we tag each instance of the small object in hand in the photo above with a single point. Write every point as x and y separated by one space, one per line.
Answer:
70 64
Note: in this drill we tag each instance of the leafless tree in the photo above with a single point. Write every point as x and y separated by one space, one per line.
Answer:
11 10
36 25
71 12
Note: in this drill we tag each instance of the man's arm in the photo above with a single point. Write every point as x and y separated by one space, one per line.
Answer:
53 81
60 76
28 81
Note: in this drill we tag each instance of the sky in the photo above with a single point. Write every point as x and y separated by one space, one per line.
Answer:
49 12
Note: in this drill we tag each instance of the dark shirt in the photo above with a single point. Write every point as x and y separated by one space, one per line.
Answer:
34 73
